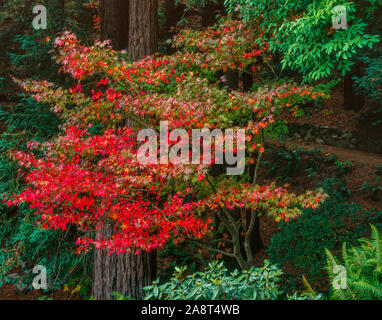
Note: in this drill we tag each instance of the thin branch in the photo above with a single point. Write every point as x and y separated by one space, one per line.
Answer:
228 254
247 241
259 158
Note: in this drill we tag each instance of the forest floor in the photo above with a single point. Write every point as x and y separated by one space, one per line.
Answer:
8 292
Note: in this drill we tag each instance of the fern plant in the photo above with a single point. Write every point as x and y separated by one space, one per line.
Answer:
363 266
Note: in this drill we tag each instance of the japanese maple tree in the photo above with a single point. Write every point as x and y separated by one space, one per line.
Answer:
90 175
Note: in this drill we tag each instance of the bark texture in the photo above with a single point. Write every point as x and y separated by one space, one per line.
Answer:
126 274
131 24
247 80
115 22
143 28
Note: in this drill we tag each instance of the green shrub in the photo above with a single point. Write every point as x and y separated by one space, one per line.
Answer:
302 242
288 163
182 255
22 241
28 49
363 266
371 85
307 43
216 283
27 245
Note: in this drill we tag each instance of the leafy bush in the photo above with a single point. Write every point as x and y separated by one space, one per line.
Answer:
288 163
28 49
302 241
371 85
26 244
216 283
182 255
363 270
302 32
23 241
26 120
376 186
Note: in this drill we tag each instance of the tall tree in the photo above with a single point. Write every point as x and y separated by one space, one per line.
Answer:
143 28
129 24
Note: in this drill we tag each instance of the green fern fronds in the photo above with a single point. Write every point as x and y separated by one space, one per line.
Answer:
363 266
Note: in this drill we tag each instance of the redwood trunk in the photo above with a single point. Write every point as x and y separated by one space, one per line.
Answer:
247 80
126 274
143 28
232 79
208 15
210 11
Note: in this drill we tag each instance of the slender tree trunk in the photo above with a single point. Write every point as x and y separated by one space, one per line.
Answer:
115 22
210 10
255 239
232 79
247 80
129 273
353 101
143 28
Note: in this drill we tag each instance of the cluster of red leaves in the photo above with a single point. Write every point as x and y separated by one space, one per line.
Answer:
88 181
228 46
269 199
82 62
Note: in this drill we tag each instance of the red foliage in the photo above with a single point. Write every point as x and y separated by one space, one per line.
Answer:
88 181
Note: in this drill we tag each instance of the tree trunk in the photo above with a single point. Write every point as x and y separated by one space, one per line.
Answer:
135 28
232 79
247 80
143 28
210 11
173 13
62 7
208 15
352 101
115 22
126 274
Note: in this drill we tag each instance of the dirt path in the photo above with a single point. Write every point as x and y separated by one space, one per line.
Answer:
356 156
363 166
